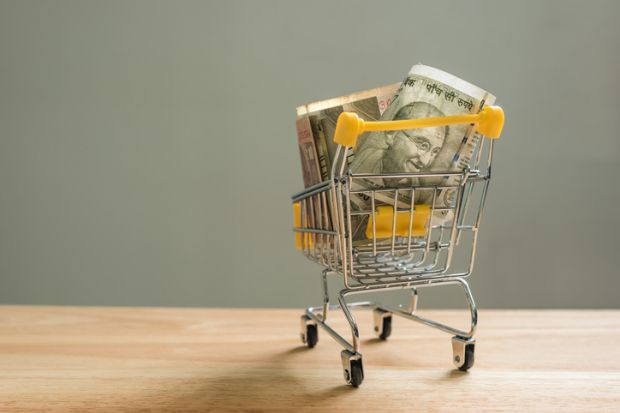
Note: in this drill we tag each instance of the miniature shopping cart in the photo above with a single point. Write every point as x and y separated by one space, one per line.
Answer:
407 244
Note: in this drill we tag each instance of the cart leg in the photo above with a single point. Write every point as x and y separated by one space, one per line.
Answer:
406 313
309 331
347 313
463 343
325 296
413 306
352 366
473 311
463 347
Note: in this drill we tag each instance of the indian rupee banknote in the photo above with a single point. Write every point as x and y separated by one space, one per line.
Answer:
425 92
321 117
316 125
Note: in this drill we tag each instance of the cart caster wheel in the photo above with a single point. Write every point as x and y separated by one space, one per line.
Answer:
353 369
463 352
383 323
309 331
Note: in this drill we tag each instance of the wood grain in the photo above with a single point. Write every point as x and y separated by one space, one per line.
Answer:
69 359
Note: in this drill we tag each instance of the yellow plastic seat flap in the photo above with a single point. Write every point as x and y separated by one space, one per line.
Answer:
385 222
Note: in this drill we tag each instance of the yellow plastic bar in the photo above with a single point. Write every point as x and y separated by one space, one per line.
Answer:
488 122
301 239
385 221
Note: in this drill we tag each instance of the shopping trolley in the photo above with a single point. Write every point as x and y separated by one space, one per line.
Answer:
406 245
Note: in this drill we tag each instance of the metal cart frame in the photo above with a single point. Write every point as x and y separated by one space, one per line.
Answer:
324 230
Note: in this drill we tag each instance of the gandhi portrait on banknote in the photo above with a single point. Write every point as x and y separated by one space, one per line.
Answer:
402 151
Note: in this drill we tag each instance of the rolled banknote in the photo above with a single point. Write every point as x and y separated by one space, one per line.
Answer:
316 125
425 92
319 119
310 166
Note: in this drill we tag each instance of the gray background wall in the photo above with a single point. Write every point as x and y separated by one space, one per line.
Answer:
148 150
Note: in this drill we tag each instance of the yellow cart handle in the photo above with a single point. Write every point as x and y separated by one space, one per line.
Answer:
489 122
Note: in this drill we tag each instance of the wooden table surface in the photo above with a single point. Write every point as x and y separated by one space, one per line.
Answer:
216 360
